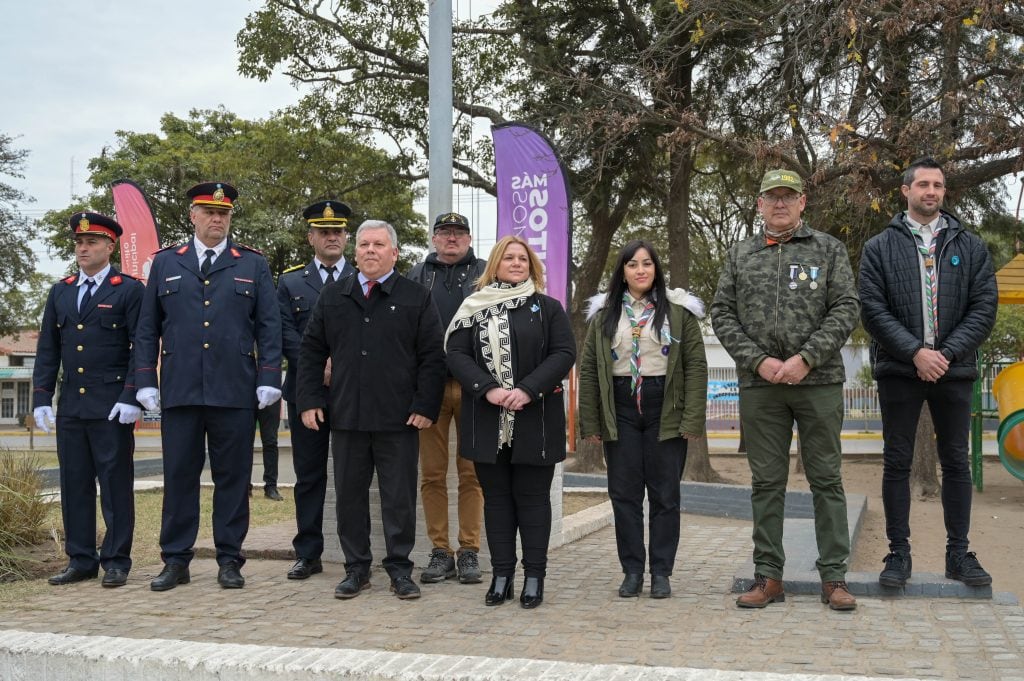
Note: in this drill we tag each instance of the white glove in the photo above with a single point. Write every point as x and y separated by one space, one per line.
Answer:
126 412
44 418
266 395
149 398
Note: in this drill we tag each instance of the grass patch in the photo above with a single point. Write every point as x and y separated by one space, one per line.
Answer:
574 502
48 458
49 557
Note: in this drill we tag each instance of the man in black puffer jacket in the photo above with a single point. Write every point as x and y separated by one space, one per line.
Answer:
928 299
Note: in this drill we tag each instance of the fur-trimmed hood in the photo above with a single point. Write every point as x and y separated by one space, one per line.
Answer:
679 296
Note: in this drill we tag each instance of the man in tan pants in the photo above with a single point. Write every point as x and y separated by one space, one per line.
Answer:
450 272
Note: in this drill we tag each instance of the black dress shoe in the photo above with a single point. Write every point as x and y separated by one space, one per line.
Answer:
115 577
632 585
70 575
533 592
405 588
229 576
660 588
270 492
501 590
353 583
171 576
305 568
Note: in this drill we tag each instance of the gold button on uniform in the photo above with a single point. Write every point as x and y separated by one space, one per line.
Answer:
81 391
206 345
206 302
206 283
80 327
206 323
80 348
81 370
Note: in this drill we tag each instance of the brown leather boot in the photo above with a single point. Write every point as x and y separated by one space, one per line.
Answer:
838 596
764 591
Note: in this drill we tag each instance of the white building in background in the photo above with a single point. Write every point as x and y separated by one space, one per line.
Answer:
17 358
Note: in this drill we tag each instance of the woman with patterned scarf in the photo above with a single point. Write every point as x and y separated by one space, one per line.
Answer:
643 391
510 346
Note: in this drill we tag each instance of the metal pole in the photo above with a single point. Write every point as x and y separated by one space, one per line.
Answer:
440 112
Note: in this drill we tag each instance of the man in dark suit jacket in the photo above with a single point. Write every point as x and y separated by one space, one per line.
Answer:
212 304
297 292
88 327
383 336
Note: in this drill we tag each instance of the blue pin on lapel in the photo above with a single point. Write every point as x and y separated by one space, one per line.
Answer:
955 260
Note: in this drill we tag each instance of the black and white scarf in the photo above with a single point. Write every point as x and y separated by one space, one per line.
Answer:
487 310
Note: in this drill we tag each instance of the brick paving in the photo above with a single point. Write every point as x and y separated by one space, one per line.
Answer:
581 620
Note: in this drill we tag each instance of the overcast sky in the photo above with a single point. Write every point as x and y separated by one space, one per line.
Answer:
76 71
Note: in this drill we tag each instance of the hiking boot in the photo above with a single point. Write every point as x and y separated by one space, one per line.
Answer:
964 567
469 567
440 568
838 596
897 569
763 591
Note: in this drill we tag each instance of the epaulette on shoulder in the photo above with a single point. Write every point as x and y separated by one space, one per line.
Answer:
294 269
128 276
165 248
70 280
247 248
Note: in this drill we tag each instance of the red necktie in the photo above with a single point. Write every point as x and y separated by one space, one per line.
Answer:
369 286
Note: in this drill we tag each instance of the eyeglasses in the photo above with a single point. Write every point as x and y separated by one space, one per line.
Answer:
788 198
450 233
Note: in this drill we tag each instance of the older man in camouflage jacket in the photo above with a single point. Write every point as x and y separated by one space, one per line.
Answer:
786 303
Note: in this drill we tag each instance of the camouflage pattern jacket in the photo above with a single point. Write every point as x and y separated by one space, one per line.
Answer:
778 300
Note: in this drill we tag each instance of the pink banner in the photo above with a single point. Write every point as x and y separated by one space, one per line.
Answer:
533 200
141 238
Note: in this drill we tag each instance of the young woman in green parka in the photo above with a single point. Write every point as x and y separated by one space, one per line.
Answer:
643 394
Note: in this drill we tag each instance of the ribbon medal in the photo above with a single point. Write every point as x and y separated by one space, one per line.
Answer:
814 277
792 277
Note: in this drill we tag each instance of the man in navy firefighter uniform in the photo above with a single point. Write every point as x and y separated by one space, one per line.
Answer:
297 291
210 316
88 327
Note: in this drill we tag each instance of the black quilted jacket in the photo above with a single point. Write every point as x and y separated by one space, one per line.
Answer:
890 297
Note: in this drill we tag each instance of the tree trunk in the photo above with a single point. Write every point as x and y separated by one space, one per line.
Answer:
923 477
698 462
589 458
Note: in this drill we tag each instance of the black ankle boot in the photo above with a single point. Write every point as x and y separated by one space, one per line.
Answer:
533 592
501 590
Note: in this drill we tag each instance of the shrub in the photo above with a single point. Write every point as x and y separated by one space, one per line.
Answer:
23 511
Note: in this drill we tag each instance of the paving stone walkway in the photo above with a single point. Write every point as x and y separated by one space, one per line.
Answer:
582 619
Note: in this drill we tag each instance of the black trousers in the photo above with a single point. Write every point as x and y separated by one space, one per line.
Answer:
517 500
394 455
187 432
269 420
309 458
638 462
900 400
89 450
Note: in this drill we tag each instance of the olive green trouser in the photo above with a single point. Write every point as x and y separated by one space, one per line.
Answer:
767 414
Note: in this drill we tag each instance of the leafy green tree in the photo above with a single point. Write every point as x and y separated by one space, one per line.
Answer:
279 165
16 276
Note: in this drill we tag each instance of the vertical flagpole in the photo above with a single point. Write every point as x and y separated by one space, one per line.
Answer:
440 111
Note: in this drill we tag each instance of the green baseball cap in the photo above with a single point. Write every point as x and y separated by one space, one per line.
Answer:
782 178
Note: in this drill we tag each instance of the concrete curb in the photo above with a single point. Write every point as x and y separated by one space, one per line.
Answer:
53 657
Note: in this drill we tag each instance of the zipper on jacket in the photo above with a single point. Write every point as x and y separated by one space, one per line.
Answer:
938 261
543 431
778 294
